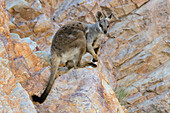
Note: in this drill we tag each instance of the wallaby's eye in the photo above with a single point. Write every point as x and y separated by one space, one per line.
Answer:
108 26
101 26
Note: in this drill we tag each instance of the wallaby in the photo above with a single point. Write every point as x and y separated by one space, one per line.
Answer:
95 34
70 43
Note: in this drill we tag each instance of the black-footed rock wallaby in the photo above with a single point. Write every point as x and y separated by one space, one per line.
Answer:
70 43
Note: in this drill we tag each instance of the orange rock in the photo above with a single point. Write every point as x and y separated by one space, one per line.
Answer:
139 2
136 59
13 96
81 90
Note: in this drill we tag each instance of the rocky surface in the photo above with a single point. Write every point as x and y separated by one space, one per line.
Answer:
13 97
81 90
134 61
138 57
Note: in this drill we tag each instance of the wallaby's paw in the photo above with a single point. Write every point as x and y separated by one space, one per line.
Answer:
94 60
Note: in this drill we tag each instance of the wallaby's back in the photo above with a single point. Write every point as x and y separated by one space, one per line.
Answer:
68 46
66 35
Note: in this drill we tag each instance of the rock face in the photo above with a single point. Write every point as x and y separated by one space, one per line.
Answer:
81 90
13 97
138 57
133 62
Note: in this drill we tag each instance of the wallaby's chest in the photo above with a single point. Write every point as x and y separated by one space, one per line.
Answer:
95 38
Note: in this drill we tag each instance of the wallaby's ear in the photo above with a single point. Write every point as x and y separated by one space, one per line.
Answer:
99 16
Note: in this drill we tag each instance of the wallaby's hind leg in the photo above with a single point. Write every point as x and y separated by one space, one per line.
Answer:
80 43
55 61
70 64
79 57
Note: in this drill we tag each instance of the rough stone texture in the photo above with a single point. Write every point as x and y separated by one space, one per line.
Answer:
42 25
81 90
23 51
22 65
13 97
135 57
139 2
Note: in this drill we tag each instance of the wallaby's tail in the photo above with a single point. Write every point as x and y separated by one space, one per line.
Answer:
55 61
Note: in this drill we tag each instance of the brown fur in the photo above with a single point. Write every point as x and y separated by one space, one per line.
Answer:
70 43
66 39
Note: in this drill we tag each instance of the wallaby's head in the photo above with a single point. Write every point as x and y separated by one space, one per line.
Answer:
103 22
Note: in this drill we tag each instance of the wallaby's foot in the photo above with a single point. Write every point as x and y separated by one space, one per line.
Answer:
92 64
70 64
94 60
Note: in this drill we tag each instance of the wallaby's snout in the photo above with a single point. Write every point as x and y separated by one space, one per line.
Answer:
105 31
